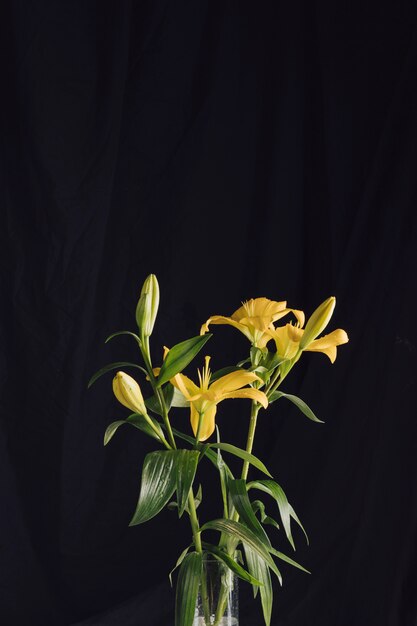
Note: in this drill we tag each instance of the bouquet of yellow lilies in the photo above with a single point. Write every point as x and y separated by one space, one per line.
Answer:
244 547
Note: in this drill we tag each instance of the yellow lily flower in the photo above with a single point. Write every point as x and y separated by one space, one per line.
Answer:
205 397
254 318
288 338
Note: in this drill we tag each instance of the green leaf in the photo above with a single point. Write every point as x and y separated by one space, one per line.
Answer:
258 505
153 405
136 420
271 360
112 366
246 536
285 509
180 356
297 519
241 502
242 454
124 332
263 373
198 497
287 559
211 455
255 355
157 486
259 569
187 589
186 464
231 563
178 563
300 404
223 477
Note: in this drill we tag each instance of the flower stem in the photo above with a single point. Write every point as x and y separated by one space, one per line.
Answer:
198 546
146 353
251 436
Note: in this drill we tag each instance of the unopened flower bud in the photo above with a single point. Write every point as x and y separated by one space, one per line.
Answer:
128 393
147 307
318 322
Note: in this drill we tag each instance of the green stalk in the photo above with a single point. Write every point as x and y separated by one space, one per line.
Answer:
221 607
145 349
198 546
156 431
251 436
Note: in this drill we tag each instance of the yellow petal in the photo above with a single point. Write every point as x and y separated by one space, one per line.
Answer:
286 340
220 319
207 421
128 392
248 392
187 387
258 307
328 343
299 315
232 381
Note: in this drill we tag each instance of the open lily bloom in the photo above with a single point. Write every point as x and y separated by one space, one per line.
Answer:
254 318
205 397
287 340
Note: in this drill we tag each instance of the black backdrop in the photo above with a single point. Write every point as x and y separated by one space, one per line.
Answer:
235 149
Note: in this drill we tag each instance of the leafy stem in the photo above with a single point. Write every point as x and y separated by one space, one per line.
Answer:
145 350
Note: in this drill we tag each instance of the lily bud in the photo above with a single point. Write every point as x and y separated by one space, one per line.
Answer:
147 307
318 321
128 393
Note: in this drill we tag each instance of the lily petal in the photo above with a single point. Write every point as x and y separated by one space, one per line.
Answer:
221 319
232 381
328 343
249 392
187 387
258 307
207 422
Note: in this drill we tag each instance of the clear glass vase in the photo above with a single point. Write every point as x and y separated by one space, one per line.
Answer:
218 600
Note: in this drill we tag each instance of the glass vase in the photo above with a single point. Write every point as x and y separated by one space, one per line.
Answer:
218 600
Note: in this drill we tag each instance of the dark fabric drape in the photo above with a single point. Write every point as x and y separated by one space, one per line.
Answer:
236 150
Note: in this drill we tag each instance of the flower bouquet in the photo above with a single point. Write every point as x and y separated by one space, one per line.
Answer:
278 337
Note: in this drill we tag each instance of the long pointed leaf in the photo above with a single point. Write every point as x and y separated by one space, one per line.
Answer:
231 564
258 505
300 404
187 589
152 403
246 536
124 332
134 420
178 563
210 454
157 486
285 509
180 356
287 559
112 366
241 502
259 569
297 519
186 464
242 454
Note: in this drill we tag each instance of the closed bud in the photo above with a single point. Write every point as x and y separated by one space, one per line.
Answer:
128 393
147 307
318 322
